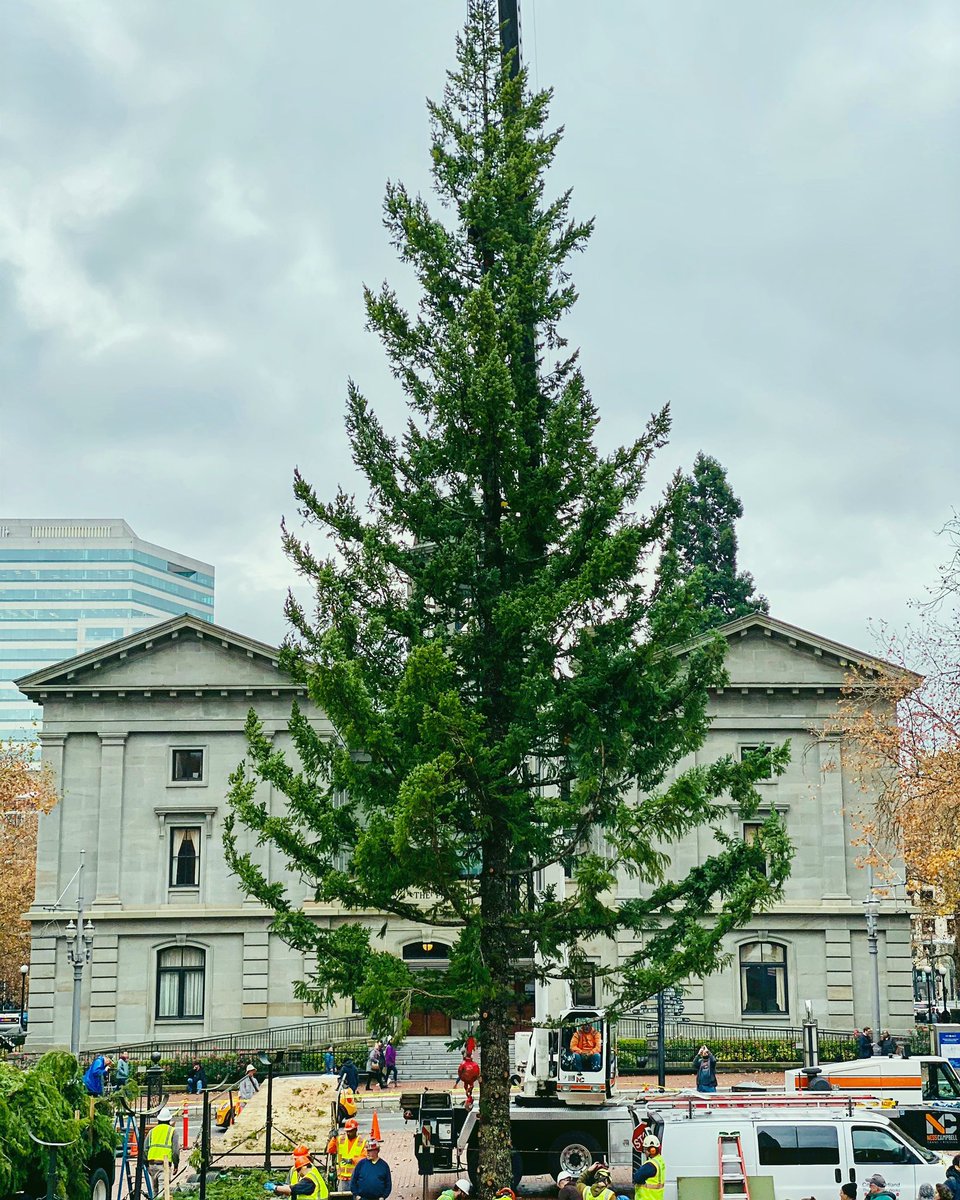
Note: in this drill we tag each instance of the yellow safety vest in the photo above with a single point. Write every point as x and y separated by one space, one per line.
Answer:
349 1154
160 1143
319 1184
652 1188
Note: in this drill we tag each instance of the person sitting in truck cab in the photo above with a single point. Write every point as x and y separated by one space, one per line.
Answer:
650 1177
585 1046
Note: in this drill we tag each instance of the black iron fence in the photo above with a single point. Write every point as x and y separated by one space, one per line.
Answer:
305 1035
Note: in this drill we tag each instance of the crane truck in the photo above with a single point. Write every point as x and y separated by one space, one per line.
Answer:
564 1116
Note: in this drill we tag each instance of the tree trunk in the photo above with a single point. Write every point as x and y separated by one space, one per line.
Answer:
493 1034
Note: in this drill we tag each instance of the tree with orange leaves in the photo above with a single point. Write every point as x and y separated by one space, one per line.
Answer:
26 790
902 724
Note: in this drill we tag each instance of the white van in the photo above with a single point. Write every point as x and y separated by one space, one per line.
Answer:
803 1147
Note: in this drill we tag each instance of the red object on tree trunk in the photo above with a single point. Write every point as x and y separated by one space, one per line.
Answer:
468 1073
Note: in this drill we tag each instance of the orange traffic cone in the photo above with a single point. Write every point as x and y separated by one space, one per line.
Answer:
132 1148
375 1126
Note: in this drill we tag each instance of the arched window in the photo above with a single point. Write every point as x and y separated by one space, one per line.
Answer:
180 980
763 978
426 954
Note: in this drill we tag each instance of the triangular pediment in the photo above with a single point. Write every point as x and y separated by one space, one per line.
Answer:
763 651
182 654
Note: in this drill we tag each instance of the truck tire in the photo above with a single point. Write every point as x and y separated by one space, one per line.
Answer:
574 1151
100 1186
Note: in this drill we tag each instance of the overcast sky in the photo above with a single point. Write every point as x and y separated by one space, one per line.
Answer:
190 199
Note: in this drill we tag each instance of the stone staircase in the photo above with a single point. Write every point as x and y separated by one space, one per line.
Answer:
427 1058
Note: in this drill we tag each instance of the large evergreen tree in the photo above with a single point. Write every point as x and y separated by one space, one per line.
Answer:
504 695
701 545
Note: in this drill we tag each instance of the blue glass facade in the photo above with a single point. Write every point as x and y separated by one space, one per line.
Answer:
68 587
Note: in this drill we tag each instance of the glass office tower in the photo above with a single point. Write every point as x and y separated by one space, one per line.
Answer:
67 586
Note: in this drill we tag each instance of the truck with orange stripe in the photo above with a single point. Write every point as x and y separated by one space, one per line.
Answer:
920 1094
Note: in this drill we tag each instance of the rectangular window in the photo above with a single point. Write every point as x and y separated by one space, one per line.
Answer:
180 977
186 764
185 857
584 989
797 1145
760 751
763 978
750 831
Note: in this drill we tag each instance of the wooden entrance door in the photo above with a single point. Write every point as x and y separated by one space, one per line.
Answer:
428 1022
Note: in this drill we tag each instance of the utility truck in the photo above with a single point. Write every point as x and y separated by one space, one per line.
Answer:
564 1117
920 1094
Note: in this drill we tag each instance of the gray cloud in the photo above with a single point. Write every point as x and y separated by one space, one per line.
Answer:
189 204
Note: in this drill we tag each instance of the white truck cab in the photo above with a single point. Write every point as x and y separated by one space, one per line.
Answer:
798 1148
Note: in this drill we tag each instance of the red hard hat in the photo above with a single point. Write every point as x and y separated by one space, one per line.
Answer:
351 1124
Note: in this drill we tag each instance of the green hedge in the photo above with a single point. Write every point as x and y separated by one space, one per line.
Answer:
680 1051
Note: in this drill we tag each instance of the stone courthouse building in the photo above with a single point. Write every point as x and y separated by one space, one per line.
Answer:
143 733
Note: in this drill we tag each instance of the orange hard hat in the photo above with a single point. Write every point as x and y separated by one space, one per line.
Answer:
300 1151
352 1124
301 1160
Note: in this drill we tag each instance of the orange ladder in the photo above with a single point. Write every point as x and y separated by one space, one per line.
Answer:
733 1169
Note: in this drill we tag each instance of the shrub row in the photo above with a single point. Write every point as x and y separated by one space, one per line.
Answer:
740 1050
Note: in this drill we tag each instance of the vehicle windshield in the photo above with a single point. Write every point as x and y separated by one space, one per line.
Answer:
928 1156
940 1082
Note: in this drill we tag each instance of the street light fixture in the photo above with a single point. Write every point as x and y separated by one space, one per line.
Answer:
24 971
871 908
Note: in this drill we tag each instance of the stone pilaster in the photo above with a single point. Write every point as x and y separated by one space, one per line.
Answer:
833 842
111 812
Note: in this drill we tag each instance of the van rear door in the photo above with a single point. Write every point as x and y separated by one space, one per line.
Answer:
801 1156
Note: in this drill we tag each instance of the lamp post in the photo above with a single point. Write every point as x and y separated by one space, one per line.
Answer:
871 908
24 971
79 951
266 1061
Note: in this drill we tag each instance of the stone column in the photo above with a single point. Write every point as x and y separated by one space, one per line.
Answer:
109 842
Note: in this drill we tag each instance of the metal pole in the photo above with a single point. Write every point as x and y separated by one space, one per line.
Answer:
269 1129
873 947
661 1037
204 1142
23 988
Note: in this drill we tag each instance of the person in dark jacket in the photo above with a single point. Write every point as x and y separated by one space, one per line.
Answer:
865 1042
371 1176
196 1080
953 1177
888 1043
349 1076
705 1069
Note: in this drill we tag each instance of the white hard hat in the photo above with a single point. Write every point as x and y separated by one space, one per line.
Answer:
565 1175
651 1142
463 1185
164 1114
250 1067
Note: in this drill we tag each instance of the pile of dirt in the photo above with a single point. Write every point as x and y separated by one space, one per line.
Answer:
301 1113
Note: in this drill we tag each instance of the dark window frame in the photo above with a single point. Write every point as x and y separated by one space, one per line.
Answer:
758 748
769 967
175 753
804 1150
181 972
178 860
